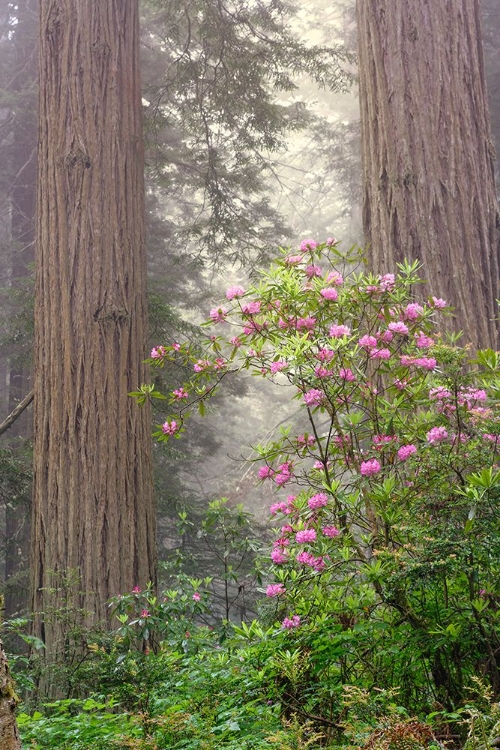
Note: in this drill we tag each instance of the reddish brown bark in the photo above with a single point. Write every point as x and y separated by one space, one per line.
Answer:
428 181
9 735
93 517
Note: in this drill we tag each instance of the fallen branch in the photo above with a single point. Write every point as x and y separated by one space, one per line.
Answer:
15 413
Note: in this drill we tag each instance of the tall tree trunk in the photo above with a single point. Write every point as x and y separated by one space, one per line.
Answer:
428 181
9 735
93 528
22 242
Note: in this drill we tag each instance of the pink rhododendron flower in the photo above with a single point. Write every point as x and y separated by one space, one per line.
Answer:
319 564
317 501
275 589
334 277
492 438
400 384
330 241
384 439
428 363
250 308
406 451
436 434
305 536
305 324
306 245
218 314
368 342
170 428
370 467
136 590
176 346
278 557
330 531
322 372
282 478
438 303
329 293
337 331
291 622
468 395
234 292
387 282
196 597
158 352
398 327
265 472
145 613
292 260
423 341
312 270
346 375
380 354
281 507
180 393
201 365
314 397
385 336
277 367
406 360
306 558
235 341
320 465
306 441
325 355
413 311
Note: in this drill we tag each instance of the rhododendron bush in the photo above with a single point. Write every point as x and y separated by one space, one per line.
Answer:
386 557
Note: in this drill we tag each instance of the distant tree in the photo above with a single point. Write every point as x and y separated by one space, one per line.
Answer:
93 530
428 182
219 83
19 147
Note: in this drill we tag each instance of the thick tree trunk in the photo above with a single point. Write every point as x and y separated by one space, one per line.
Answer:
428 182
93 529
22 242
9 735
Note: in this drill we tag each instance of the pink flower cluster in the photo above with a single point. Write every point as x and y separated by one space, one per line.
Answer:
337 331
314 397
157 352
330 531
406 451
291 622
305 536
370 468
234 292
218 314
427 363
275 589
170 428
306 558
437 435
329 293
317 501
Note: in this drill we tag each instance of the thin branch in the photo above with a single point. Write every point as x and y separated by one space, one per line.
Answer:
22 405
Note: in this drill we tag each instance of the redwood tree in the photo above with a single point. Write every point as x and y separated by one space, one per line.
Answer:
428 180
93 527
